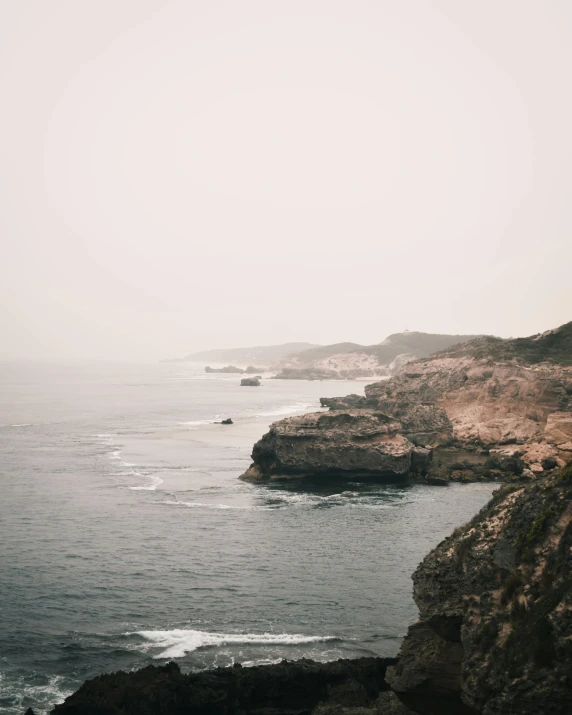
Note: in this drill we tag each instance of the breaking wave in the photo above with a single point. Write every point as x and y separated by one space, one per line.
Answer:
175 643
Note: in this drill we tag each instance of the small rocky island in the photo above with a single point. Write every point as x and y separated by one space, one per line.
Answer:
486 409
250 382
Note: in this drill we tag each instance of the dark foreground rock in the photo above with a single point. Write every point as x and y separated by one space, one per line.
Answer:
495 601
250 382
346 687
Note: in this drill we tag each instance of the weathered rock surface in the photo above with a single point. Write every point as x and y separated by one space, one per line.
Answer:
231 369
352 443
345 687
349 402
495 602
481 418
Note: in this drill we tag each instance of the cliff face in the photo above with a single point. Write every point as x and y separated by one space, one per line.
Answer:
357 442
495 601
486 403
478 417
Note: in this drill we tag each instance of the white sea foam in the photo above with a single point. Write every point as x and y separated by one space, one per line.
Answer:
43 696
152 484
177 642
204 505
201 423
22 424
290 409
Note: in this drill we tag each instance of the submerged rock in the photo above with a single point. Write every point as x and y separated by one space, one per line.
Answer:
287 688
495 601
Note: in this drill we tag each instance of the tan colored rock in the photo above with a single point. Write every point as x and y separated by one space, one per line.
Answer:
558 428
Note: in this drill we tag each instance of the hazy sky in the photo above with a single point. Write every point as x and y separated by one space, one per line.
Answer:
185 175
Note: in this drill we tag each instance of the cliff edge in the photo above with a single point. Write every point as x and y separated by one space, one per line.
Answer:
495 602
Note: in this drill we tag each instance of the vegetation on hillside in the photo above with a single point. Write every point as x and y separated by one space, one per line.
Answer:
554 346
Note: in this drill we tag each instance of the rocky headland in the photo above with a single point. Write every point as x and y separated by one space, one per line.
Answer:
495 598
489 409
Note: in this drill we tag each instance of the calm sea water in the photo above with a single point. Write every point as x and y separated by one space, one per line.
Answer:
126 538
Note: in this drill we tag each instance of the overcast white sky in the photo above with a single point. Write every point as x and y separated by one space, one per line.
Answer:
181 175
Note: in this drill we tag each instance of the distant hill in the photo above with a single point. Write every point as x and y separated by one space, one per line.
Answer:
554 346
410 343
414 344
261 355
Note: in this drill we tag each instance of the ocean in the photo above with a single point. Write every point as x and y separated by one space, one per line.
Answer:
127 539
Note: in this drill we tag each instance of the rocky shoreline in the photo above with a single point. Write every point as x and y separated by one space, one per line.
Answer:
494 636
495 598
483 410
287 688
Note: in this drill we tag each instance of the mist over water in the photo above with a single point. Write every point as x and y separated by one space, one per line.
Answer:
127 538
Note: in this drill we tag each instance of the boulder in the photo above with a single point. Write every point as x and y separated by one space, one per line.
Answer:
250 382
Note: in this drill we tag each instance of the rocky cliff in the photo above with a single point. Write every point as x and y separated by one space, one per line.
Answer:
363 443
488 409
495 602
